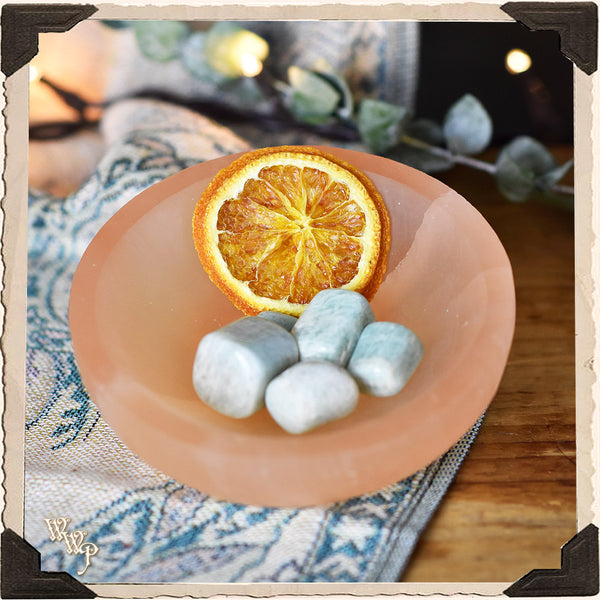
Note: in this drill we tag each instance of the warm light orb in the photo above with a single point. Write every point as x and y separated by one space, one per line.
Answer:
236 53
250 65
517 61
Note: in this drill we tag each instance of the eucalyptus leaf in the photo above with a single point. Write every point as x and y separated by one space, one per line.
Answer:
114 24
346 103
531 154
421 159
426 130
553 176
312 99
221 29
513 182
430 160
245 90
519 166
160 40
381 124
467 126
193 58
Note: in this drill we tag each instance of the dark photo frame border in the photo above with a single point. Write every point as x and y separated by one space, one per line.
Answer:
577 25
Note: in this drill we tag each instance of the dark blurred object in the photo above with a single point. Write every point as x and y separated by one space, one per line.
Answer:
459 58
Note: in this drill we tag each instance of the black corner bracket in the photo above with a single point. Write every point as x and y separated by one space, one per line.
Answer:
575 22
577 576
21 576
21 24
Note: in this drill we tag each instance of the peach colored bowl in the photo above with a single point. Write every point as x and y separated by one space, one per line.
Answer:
141 302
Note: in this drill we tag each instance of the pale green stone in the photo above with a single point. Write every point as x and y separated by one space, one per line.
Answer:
310 394
331 324
234 364
385 357
286 321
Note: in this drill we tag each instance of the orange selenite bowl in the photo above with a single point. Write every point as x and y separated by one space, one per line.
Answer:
141 301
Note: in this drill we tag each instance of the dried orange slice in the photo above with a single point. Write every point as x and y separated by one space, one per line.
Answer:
280 224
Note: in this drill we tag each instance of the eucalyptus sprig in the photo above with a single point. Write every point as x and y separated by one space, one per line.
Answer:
523 168
320 100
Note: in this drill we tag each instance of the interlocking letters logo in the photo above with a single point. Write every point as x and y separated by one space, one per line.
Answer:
74 540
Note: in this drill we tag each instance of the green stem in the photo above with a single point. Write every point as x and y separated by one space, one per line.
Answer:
471 162
563 189
450 156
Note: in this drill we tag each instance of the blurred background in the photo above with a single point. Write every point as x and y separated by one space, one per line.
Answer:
485 58
519 76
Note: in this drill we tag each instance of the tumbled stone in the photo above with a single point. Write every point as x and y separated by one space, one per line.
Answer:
309 394
234 364
286 321
385 357
331 324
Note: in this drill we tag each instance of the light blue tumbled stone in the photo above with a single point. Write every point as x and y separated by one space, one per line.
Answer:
385 357
331 324
309 394
286 321
234 364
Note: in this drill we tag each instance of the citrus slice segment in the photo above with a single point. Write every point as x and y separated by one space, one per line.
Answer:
280 224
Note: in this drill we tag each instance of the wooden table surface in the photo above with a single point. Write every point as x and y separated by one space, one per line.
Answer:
512 504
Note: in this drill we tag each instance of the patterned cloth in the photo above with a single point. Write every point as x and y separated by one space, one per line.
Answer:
148 527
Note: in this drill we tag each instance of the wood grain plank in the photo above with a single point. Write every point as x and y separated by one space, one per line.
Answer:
513 502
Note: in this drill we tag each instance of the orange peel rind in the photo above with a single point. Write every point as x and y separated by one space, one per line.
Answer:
279 224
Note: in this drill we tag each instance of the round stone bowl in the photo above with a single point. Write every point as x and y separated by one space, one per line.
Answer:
140 303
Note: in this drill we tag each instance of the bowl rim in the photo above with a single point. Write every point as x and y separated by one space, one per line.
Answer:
385 443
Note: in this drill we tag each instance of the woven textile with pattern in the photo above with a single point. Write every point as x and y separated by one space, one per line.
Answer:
148 527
